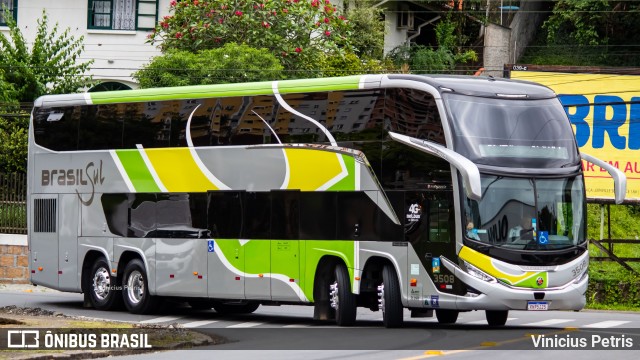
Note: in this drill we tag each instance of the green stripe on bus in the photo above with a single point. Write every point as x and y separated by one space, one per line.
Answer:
318 85
137 171
181 93
348 183
226 90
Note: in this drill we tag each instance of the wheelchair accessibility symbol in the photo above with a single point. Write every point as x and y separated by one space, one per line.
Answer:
543 238
210 246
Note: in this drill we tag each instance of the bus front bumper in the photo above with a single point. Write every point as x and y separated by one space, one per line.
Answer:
497 296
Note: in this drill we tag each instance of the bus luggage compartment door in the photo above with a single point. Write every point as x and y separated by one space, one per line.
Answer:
43 240
181 267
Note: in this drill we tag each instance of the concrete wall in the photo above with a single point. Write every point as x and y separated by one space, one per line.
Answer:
496 49
524 27
14 259
505 45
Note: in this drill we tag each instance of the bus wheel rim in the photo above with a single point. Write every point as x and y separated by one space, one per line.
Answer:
135 287
381 298
101 283
334 295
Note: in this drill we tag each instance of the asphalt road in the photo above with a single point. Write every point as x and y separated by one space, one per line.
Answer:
290 332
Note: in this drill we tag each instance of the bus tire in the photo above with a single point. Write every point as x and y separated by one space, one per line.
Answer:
342 300
135 290
104 290
389 296
245 307
497 317
447 316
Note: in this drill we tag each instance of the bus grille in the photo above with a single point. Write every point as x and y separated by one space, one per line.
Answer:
44 215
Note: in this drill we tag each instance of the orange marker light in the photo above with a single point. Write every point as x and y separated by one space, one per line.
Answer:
113 270
357 278
260 275
413 282
195 273
40 268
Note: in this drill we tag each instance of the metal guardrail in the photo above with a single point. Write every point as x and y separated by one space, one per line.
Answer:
13 203
609 252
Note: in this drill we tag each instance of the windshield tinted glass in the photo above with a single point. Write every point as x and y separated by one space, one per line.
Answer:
511 132
527 214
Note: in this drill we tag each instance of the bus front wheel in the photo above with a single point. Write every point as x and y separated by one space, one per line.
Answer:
341 299
497 317
104 291
446 316
136 289
389 298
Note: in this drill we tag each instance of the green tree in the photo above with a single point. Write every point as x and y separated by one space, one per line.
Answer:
351 64
443 59
605 30
49 66
367 35
231 63
27 71
296 31
14 125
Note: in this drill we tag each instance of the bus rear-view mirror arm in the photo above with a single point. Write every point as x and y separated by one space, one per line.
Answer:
619 178
468 170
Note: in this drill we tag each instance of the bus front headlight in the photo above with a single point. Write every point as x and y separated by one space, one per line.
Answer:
475 272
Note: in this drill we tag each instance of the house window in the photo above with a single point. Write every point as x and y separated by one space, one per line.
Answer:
11 6
122 14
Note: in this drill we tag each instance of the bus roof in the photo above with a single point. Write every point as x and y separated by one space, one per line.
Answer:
477 86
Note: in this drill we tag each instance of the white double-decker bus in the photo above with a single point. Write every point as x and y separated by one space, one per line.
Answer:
432 193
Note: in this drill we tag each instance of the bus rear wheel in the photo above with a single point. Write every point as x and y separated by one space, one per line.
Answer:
341 299
446 316
389 298
104 290
497 317
136 289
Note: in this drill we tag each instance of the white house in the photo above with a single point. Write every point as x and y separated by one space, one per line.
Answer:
115 31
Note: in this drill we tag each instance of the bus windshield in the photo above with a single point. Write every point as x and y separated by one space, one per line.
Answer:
527 214
512 132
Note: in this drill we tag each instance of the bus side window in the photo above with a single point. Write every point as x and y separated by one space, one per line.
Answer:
225 214
285 214
116 211
57 128
318 211
99 129
256 222
142 215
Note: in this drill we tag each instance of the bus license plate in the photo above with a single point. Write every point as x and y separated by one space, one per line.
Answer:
537 306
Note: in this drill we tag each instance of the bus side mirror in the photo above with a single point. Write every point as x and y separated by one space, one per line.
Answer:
619 178
468 170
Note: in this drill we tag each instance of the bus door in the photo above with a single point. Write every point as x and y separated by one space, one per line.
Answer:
429 227
225 248
43 240
68 274
285 246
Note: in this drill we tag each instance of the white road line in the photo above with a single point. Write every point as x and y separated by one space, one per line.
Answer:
606 324
548 322
481 322
245 325
195 324
160 320
296 326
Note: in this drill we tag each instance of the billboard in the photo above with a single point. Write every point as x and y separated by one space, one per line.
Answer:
604 110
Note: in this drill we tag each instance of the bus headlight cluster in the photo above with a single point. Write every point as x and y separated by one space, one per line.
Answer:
475 272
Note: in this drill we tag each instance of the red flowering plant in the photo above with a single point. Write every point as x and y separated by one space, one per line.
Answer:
296 31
